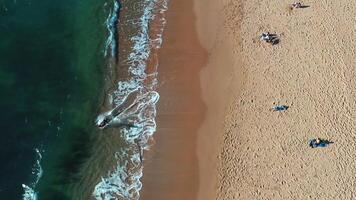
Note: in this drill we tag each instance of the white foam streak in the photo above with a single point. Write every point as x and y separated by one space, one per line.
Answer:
123 182
37 171
29 193
111 21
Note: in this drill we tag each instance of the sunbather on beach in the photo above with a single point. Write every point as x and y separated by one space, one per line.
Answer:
280 107
314 143
269 38
296 5
265 36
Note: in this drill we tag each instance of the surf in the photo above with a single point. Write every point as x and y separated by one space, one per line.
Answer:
134 102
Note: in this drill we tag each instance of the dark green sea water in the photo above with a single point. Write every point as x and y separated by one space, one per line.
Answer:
51 69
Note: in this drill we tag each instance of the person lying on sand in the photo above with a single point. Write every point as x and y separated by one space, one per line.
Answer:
279 107
314 143
265 36
269 38
296 5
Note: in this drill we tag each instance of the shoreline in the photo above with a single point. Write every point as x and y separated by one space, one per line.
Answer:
216 83
171 165
222 80
216 137
198 67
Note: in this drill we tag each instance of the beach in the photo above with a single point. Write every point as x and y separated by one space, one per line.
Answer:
265 154
193 94
173 100
171 165
236 146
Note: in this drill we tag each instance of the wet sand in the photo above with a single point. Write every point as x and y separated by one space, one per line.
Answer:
245 151
171 165
197 68
222 80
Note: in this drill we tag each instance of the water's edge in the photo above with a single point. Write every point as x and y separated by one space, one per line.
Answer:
135 95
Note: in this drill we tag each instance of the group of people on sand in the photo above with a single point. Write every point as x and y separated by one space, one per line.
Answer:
273 39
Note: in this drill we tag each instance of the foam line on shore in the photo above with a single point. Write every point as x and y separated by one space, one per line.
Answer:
124 180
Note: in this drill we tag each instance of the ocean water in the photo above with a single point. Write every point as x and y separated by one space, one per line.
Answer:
63 65
51 63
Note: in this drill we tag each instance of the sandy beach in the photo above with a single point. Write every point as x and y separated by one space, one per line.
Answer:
217 137
265 155
183 162
194 93
171 165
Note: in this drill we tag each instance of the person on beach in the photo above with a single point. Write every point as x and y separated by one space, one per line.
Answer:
265 36
314 143
269 38
279 107
296 5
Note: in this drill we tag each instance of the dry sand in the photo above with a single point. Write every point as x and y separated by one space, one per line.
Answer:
219 115
264 154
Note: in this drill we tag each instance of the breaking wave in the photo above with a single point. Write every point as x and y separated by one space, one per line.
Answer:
37 172
123 182
111 23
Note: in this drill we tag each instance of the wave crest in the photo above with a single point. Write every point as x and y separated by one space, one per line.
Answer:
37 171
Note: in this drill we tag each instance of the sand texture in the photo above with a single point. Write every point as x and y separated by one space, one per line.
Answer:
265 154
171 165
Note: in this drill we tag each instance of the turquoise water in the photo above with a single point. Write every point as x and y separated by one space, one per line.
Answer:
51 69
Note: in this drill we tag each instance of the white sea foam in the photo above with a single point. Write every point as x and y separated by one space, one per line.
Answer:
29 193
111 21
37 171
123 182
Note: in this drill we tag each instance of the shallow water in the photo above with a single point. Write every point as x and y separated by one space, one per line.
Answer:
61 64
